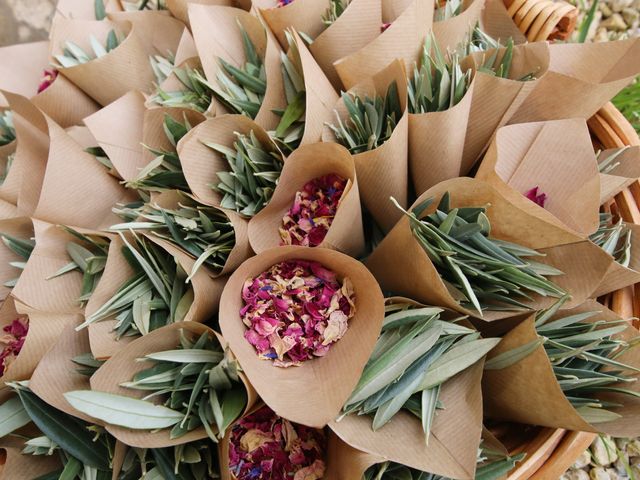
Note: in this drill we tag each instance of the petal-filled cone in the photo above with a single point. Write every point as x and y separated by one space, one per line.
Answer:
124 365
289 391
383 171
447 453
21 228
305 164
555 156
225 43
201 164
528 392
401 265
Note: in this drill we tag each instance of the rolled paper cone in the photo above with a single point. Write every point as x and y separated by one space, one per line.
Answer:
619 276
107 78
402 40
186 48
65 103
305 164
346 462
225 43
57 374
582 77
324 397
83 10
495 99
622 175
383 171
124 365
392 9
528 392
201 164
18 227
91 194
37 289
118 130
179 8
7 210
161 33
401 265
172 199
452 32
358 25
22 68
555 156
304 16
83 137
498 24
448 452
20 465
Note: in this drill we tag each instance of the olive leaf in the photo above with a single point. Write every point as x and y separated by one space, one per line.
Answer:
607 164
12 416
22 248
101 157
446 10
335 9
501 67
74 55
614 238
196 95
162 66
7 130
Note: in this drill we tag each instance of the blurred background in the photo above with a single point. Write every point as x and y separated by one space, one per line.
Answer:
25 20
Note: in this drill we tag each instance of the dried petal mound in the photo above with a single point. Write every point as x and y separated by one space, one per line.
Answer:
295 311
308 220
12 341
264 446
536 196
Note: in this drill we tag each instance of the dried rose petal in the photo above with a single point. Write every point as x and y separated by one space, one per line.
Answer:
48 77
12 341
295 311
534 196
308 220
264 446
385 26
282 3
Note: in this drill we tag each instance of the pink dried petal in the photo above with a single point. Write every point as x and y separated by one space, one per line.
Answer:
48 78
12 342
384 27
534 196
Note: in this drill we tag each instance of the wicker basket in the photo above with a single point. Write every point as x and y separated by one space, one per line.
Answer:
543 19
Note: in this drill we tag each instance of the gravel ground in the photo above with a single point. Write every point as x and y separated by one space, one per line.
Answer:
614 19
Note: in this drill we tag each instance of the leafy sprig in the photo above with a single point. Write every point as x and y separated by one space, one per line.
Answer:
335 9
614 238
23 247
196 95
74 55
446 10
162 66
7 129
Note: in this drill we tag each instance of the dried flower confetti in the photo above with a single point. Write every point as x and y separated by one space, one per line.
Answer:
48 78
12 341
308 220
284 3
295 311
384 27
536 196
264 446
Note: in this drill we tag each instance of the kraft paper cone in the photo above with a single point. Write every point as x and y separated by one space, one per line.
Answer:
20 227
358 25
392 9
186 48
57 374
207 292
383 171
305 164
160 32
623 175
200 163
59 294
304 16
77 190
455 435
118 130
451 32
495 99
124 365
582 78
28 466
555 156
346 462
178 8
401 265
331 383
7 210
402 40
172 199
225 42
107 78
497 23
528 392
65 103
619 276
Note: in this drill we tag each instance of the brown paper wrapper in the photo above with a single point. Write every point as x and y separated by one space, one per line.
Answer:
59 294
19 466
346 462
402 40
82 10
304 16
383 171
305 164
556 156
401 265
19 227
622 176
91 191
124 365
582 78
201 163
225 42
178 8
528 392
159 32
496 99
65 103
497 22
186 48
241 250
358 25
207 292
453 443
451 32
118 130
332 383
619 276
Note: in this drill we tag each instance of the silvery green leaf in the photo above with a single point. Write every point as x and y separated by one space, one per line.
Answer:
513 356
12 416
597 415
187 356
429 402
